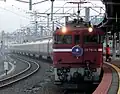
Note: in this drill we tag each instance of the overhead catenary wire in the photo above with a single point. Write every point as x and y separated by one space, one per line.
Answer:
14 12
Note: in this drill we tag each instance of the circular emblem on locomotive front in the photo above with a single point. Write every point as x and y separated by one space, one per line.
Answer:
77 51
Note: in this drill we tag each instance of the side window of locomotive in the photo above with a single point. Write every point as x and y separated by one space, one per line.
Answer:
101 39
63 39
90 38
76 39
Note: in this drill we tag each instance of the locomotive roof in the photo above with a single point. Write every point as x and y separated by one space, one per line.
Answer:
70 30
77 25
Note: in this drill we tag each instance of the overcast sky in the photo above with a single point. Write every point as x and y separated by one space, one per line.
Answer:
13 13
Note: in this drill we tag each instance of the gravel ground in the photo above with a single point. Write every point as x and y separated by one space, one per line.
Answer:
19 66
38 83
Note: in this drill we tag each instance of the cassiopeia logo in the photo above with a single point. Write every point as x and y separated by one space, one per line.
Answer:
77 50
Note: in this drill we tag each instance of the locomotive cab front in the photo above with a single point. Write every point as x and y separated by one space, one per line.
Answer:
77 54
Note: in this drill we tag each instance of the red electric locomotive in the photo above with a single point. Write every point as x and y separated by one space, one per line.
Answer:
77 52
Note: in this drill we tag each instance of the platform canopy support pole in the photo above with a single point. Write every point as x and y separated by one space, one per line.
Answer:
52 6
106 38
114 47
119 44
114 41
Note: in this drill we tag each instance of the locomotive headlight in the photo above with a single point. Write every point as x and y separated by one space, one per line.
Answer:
90 29
64 29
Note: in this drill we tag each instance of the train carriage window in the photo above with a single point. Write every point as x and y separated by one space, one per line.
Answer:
63 39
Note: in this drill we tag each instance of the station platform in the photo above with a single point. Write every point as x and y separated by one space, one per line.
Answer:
111 78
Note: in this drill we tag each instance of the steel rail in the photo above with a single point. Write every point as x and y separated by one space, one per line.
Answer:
33 68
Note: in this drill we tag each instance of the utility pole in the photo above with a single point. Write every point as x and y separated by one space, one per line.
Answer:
66 20
2 44
52 1
35 20
48 20
30 4
78 10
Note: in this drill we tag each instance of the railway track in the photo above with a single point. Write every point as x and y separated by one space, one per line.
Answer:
70 91
63 91
32 68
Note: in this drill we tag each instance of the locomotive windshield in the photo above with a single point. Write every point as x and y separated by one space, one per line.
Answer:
76 39
63 39
93 38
